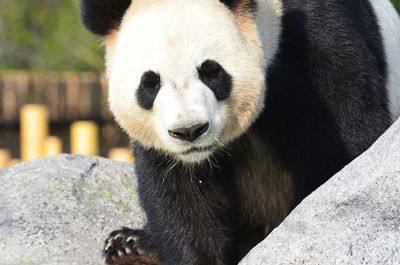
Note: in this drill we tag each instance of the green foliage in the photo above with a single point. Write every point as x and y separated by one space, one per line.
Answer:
396 3
46 35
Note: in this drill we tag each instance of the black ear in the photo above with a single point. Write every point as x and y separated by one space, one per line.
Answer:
229 3
102 16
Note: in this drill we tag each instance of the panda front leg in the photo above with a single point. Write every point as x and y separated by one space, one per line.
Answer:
190 212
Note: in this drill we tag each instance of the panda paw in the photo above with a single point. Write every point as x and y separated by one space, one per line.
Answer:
123 247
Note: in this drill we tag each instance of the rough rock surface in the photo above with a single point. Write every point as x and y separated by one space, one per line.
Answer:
352 219
60 210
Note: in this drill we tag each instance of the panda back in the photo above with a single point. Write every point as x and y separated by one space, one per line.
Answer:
329 90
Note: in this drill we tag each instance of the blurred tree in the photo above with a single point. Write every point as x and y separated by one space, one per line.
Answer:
46 35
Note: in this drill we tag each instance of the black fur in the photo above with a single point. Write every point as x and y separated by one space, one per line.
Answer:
102 16
213 75
246 5
326 103
190 210
327 100
148 89
230 3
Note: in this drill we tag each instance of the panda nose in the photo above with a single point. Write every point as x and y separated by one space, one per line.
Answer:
189 134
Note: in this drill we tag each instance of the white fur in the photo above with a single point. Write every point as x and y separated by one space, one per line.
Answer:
173 38
389 23
268 19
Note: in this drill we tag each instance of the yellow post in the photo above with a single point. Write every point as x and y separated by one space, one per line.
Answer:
34 130
52 146
121 154
5 157
84 138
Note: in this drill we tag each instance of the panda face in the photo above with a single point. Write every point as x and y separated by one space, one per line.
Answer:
186 77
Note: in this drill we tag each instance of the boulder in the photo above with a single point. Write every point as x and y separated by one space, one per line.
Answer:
354 218
60 210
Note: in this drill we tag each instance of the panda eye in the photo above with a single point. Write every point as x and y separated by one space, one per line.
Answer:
213 75
148 89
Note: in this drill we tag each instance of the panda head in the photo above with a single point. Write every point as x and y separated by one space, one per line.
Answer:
185 77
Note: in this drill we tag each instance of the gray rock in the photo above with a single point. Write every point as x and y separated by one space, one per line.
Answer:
352 219
60 210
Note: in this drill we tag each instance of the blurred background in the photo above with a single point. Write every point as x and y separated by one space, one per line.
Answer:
53 94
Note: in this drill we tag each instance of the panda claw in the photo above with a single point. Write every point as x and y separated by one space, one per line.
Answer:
118 236
109 246
128 251
141 252
133 238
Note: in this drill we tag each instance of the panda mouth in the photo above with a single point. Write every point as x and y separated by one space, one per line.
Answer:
198 150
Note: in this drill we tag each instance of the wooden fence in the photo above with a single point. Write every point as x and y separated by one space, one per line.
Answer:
67 97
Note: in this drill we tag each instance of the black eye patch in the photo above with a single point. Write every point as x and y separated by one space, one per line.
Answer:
148 89
216 78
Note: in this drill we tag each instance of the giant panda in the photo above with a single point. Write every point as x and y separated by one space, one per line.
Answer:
238 109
